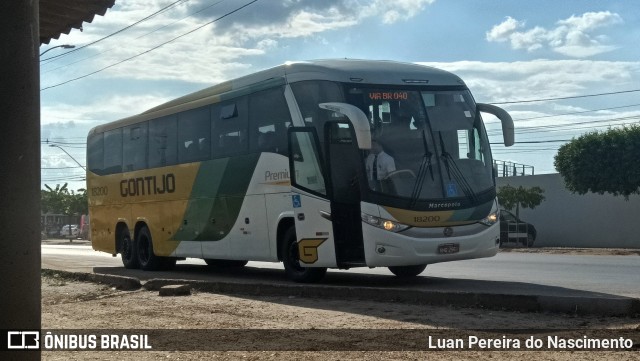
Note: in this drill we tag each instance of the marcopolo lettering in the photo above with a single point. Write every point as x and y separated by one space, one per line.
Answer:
438 205
149 185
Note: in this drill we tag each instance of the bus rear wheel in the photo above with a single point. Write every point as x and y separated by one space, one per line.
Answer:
291 261
407 271
128 250
146 256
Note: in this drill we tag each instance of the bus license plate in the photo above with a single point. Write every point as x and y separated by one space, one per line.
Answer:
448 248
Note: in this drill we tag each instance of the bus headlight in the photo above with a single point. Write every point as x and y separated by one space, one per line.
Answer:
491 219
385 224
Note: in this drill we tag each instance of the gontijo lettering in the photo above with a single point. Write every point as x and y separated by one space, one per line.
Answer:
149 185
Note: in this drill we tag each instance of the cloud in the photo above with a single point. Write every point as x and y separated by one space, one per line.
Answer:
101 110
571 37
502 31
216 52
538 79
394 11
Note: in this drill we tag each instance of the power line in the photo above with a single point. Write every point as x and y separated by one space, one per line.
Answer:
538 141
48 141
152 49
505 152
562 98
64 179
569 126
581 112
141 36
119 31
56 168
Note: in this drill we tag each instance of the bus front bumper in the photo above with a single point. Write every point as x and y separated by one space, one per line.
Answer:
428 245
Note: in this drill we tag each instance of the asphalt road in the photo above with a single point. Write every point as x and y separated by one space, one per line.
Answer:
507 273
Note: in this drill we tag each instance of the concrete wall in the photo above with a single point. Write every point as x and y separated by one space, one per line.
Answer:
565 219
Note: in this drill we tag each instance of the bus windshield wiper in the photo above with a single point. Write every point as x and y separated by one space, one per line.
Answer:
424 165
458 176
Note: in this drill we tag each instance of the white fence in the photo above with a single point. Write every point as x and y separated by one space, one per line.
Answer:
565 219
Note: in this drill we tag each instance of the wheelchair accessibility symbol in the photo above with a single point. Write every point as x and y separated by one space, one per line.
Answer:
297 203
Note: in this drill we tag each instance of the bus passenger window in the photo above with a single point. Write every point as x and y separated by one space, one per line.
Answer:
269 119
113 151
95 157
193 126
309 94
135 147
229 135
163 141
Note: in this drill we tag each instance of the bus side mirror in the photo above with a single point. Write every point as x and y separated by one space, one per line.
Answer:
357 118
507 122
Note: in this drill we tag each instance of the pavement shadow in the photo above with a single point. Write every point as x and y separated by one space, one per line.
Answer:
258 283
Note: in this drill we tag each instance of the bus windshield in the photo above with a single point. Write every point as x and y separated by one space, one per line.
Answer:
426 145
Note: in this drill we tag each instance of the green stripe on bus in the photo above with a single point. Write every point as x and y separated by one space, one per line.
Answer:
216 198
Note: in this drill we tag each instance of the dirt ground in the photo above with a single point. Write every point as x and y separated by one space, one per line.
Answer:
67 304
575 251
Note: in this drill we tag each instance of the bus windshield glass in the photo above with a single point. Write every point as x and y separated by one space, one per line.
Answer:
426 145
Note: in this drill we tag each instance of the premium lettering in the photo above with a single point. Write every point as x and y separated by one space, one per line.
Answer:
149 185
276 176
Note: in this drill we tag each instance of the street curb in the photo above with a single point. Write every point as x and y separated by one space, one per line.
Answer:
603 306
119 282
609 306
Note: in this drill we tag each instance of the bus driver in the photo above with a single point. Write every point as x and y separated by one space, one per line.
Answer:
379 164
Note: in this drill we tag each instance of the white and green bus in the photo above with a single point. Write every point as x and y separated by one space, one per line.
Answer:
319 164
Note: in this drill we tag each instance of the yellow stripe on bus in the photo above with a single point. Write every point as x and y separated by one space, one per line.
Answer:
161 194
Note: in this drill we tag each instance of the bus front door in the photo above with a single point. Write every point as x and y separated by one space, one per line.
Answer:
310 200
345 169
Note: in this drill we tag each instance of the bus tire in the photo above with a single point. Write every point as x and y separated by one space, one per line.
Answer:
407 271
146 256
291 262
225 263
128 250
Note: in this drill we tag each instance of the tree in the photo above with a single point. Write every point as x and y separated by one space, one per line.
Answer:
62 201
78 203
54 200
602 162
511 197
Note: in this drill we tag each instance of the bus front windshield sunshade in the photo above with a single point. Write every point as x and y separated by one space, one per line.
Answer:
426 145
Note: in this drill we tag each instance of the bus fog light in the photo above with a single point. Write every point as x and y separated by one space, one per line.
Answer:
381 250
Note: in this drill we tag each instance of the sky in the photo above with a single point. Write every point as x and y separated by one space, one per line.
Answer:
145 52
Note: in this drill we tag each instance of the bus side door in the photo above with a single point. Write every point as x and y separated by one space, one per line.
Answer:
310 202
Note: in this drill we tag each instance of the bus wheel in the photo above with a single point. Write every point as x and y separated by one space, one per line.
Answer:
225 263
407 271
147 258
128 251
291 261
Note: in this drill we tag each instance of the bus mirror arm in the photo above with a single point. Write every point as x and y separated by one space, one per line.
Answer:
357 118
505 118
